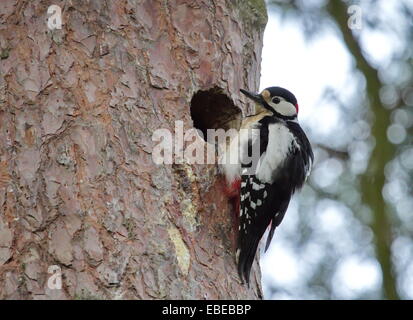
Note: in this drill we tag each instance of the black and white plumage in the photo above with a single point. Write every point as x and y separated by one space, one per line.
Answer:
285 160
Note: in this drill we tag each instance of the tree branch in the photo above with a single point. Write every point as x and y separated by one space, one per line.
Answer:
373 180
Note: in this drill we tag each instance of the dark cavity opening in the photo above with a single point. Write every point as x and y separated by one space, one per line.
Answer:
212 109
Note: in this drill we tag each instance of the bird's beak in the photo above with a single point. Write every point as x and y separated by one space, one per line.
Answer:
253 96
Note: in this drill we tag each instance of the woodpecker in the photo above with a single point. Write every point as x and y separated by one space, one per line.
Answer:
262 190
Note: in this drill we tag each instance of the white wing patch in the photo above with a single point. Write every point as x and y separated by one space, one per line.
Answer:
280 143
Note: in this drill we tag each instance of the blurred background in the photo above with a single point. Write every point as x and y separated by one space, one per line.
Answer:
349 233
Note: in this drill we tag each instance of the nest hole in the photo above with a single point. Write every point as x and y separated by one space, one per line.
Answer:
213 109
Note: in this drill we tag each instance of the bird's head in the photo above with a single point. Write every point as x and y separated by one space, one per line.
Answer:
281 102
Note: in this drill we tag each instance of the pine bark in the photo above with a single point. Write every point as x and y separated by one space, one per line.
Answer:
78 186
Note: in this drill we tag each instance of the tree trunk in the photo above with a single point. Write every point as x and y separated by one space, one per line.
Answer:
79 190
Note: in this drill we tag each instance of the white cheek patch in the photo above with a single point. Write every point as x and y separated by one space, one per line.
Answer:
284 107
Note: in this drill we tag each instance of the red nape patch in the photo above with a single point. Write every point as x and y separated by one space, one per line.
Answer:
233 190
296 106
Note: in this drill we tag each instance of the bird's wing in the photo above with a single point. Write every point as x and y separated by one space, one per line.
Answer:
261 204
265 203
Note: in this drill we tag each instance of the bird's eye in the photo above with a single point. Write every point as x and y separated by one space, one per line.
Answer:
276 100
